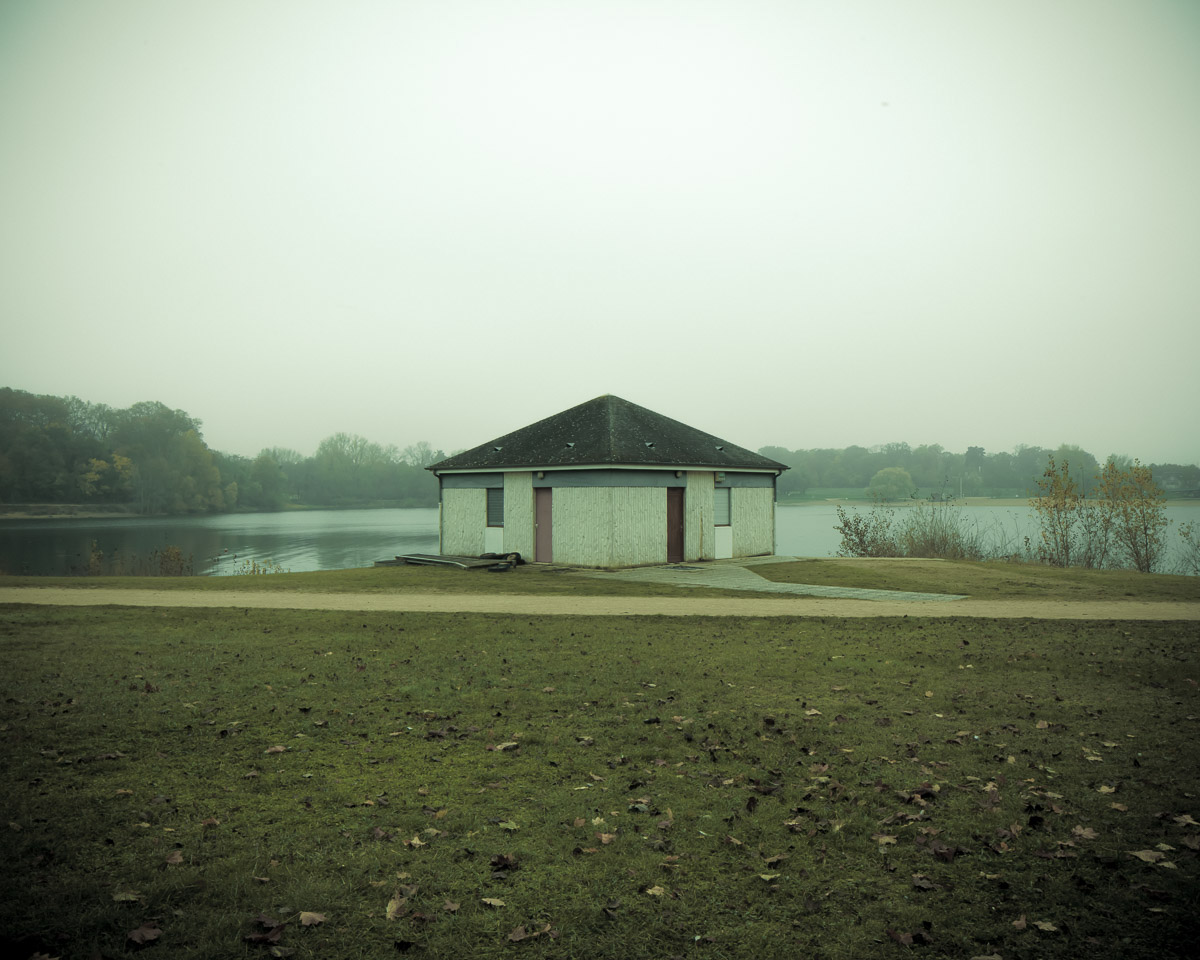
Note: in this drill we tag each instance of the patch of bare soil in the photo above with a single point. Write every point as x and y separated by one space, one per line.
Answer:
611 606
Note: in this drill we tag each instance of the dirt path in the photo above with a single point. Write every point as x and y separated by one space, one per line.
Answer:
607 606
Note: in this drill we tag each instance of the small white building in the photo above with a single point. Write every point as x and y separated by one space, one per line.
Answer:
608 484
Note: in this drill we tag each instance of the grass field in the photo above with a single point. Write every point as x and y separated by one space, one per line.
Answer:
535 579
991 580
986 581
273 783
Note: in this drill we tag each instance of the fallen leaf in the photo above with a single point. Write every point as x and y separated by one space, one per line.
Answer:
1105 788
309 919
1019 923
126 896
450 906
493 902
655 891
1085 833
1148 856
1186 821
275 749
606 838
769 876
175 856
396 905
1045 925
146 933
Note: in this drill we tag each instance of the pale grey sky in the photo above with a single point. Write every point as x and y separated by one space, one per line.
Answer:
798 223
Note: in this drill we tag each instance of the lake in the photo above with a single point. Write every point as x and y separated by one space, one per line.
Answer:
338 539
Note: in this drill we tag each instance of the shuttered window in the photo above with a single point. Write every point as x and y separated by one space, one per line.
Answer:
495 506
721 506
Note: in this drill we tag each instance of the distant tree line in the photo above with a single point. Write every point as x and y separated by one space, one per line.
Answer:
896 471
63 450
59 450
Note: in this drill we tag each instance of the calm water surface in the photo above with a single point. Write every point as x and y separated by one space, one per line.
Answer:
339 539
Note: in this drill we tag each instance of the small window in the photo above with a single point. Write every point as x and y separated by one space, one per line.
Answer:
721 506
495 506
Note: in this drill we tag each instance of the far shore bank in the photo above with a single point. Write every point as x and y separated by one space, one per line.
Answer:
90 511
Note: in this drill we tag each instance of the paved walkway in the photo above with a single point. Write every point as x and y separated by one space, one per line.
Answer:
738 575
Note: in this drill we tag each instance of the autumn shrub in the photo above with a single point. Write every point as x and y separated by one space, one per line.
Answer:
1123 523
168 561
258 568
927 530
1189 549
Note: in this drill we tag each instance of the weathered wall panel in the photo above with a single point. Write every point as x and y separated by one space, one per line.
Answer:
639 526
752 517
518 513
582 521
464 519
699 540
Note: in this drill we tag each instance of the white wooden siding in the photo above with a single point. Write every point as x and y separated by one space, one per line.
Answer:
699 540
752 518
464 519
518 513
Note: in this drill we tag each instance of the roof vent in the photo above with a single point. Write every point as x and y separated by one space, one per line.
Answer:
719 447
496 449
570 443
649 443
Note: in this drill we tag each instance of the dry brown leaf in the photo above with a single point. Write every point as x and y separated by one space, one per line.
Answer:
146 933
493 902
310 919
1148 856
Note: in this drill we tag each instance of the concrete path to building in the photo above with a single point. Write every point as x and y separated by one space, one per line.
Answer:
739 575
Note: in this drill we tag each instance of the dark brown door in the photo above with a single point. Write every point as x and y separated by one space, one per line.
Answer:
543 551
674 524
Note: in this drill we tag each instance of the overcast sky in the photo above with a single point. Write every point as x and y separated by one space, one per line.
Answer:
796 223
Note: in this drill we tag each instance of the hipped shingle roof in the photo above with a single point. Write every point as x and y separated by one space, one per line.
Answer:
607 431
